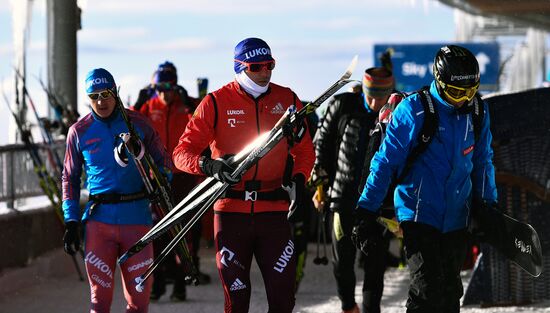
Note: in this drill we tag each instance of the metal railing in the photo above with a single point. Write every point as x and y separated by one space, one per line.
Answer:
18 178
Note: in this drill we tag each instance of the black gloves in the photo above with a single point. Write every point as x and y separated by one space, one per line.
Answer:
366 233
71 238
484 223
296 191
219 169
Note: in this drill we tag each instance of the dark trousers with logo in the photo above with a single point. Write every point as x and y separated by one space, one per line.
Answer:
374 265
266 236
434 260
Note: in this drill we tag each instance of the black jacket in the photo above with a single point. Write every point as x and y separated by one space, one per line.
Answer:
341 144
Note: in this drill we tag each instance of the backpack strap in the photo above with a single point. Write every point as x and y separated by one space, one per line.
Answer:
215 109
426 134
478 113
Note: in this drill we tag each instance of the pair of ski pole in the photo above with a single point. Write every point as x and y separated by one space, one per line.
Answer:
321 229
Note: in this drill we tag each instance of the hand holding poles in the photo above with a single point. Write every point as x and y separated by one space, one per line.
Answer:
296 192
219 169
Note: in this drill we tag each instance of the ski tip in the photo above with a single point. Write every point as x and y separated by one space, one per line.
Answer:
351 67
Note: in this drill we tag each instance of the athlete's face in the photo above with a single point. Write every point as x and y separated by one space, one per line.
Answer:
262 77
376 103
104 103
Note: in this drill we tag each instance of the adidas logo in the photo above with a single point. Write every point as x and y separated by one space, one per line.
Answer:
278 109
237 285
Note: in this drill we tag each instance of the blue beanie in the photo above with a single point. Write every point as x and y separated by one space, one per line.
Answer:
167 65
165 76
99 79
251 50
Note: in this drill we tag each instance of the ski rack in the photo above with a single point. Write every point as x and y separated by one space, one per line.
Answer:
46 181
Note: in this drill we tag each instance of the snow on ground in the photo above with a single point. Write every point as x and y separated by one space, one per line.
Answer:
49 284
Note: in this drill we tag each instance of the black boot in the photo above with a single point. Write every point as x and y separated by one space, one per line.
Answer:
204 278
159 286
179 293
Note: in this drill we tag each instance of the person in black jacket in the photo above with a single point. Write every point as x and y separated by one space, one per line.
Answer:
341 146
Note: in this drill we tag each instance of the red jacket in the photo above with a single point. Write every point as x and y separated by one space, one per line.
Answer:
231 122
169 120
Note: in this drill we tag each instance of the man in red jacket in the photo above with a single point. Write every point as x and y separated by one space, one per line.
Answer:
169 110
251 220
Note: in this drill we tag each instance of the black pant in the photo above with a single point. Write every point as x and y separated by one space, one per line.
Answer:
182 184
344 260
266 237
434 260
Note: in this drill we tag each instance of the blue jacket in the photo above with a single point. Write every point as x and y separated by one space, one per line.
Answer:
90 144
438 189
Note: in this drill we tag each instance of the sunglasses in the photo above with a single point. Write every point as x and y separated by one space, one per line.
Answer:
258 66
459 93
161 87
100 95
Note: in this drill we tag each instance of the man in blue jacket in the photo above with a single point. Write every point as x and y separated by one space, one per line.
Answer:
117 213
433 198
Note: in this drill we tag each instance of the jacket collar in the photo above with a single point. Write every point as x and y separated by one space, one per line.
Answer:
115 115
241 90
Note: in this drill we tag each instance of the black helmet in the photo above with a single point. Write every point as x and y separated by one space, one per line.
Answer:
457 72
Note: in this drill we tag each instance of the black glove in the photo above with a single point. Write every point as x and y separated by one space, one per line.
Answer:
71 238
366 234
296 189
483 224
219 169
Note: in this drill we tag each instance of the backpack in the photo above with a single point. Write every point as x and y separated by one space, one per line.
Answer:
425 136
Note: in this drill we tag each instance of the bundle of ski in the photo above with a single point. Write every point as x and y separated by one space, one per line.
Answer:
212 189
47 183
64 114
156 185
47 137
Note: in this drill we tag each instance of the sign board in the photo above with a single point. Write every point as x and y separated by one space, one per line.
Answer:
412 63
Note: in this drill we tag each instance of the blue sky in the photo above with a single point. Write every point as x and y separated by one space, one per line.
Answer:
312 40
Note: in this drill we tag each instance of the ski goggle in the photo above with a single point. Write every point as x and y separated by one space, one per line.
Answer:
459 93
99 95
162 87
257 66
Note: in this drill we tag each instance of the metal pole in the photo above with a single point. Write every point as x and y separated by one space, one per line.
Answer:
63 22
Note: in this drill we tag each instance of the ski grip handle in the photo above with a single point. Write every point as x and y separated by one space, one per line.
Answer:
320 193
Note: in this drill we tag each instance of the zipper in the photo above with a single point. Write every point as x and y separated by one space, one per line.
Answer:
418 200
256 102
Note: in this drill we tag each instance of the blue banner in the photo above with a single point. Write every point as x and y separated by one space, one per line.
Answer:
412 63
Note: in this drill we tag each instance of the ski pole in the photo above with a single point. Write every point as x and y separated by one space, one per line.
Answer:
319 195
324 259
317 259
